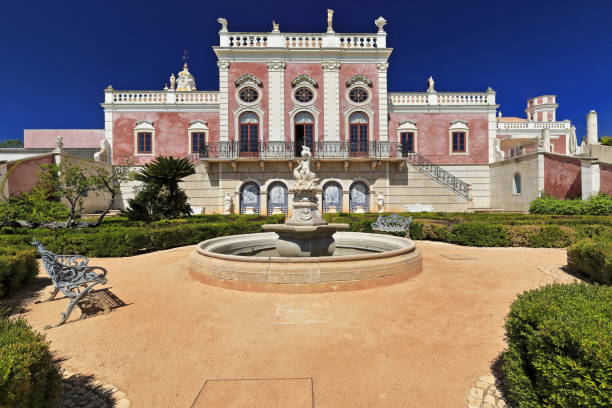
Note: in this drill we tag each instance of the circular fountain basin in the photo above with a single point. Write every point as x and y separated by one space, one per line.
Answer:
250 262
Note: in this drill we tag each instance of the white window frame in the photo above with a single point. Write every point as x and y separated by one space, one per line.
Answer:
459 126
196 126
408 126
144 126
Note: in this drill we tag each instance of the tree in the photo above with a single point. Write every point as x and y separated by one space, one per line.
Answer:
68 181
109 181
11 143
160 196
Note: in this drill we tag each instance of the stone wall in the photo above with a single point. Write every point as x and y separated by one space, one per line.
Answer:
503 195
562 176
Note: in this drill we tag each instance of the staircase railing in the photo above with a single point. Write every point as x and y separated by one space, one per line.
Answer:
438 173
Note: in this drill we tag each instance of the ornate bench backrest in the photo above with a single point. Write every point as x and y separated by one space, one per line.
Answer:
392 223
66 271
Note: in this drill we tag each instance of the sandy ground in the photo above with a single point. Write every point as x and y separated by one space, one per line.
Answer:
180 343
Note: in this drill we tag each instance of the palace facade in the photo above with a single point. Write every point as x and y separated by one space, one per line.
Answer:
372 148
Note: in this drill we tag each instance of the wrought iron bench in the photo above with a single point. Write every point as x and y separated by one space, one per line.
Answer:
71 275
392 223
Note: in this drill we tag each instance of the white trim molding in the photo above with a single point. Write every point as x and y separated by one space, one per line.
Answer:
408 126
459 126
144 126
276 100
196 126
331 100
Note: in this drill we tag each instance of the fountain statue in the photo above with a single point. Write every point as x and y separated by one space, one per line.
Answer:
306 233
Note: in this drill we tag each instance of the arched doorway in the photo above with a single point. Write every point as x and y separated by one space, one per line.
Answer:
304 132
358 141
278 197
249 198
249 134
332 196
359 197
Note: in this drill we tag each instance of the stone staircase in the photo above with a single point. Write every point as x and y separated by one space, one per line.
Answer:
439 174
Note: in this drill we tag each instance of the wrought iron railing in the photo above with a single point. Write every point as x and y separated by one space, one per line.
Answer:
332 150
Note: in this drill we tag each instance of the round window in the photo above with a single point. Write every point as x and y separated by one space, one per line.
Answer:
303 95
248 94
358 94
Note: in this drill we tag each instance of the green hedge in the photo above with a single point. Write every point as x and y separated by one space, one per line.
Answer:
18 266
597 205
478 233
593 257
28 376
559 351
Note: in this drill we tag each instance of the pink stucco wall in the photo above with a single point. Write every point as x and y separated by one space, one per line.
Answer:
558 144
433 140
72 138
347 71
260 71
23 173
315 71
605 178
171 136
562 176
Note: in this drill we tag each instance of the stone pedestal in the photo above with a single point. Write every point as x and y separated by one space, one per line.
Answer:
306 233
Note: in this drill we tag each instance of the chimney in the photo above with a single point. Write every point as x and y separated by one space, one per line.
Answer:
591 128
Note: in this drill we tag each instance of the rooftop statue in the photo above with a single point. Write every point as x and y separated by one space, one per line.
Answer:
431 85
223 23
275 27
330 20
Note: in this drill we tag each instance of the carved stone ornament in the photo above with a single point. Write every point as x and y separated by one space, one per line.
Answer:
276 65
331 65
248 79
275 27
305 179
224 65
102 155
380 22
303 80
305 214
223 23
382 67
359 79
330 20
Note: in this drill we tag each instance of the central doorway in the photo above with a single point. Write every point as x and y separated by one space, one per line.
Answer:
304 131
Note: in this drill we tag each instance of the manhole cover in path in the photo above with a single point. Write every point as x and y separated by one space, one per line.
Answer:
256 393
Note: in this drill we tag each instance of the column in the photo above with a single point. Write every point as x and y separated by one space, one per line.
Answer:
331 100
108 122
223 100
383 125
276 100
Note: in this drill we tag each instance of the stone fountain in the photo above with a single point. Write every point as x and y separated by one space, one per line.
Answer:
306 254
306 233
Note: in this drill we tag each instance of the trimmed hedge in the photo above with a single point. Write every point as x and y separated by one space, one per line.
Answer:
28 376
593 257
559 351
600 204
18 266
493 229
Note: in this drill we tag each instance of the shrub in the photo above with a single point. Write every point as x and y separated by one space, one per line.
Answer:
606 141
560 347
28 375
18 266
593 258
600 204
479 234
550 236
36 207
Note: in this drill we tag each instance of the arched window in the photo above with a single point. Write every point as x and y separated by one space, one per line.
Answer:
332 197
249 198
517 188
359 197
358 134
249 134
304 131
278 198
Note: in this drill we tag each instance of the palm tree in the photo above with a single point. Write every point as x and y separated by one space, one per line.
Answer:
161 196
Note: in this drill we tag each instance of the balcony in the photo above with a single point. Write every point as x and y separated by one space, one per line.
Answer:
290 150
114 97
442 98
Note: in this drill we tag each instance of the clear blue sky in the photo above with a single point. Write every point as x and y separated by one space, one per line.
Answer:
58 56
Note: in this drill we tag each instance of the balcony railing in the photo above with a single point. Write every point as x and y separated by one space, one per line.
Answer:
112 96
333 150
534 125
442 98
302 40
